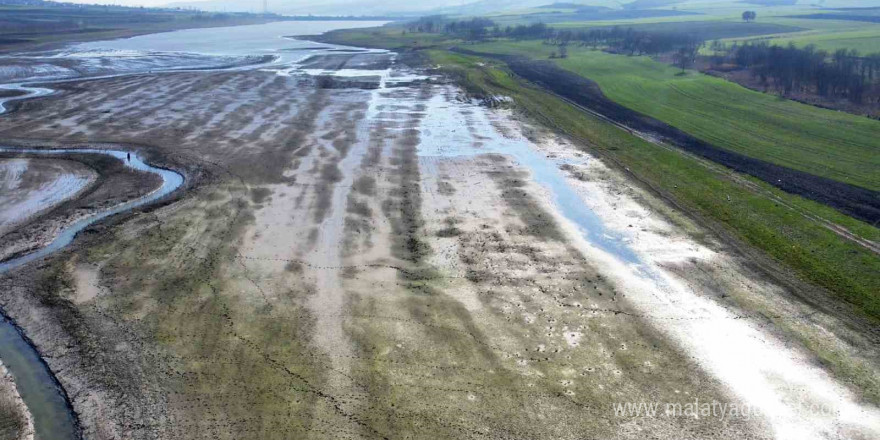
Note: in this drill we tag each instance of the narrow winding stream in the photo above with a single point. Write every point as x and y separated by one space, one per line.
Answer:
53 416
29 92
41 392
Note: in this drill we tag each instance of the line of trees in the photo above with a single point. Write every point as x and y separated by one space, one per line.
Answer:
842 74
627 40
624 40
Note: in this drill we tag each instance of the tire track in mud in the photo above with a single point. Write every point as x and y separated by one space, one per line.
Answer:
244 195
402 207
339 149
410 273
210 259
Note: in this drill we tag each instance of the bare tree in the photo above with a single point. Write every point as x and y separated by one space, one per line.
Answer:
685 56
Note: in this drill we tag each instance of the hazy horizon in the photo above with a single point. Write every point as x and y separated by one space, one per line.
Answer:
332 7
342 7
391 7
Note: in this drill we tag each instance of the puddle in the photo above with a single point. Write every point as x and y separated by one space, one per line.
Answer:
782 385
447 131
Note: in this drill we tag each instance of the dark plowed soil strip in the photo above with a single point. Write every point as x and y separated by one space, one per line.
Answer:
860 203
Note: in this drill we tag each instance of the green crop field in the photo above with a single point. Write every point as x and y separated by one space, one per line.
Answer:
865 41
828 35
705 30
822 142
721 20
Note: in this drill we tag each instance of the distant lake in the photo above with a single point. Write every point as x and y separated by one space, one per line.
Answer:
260 39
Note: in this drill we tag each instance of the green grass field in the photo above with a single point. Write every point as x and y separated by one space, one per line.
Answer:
865 40
828 35
822 142
719 19
815 253
705 30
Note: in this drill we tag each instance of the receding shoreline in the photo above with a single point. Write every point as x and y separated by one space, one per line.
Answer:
49 424
331 277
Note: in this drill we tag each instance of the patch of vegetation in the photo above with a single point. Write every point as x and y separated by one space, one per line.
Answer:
818 141
198 333
536 221
365 185
260 195
812 251
451 229
711 30
403 207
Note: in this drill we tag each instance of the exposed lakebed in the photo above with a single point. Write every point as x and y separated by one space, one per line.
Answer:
38 388
200 49
382 159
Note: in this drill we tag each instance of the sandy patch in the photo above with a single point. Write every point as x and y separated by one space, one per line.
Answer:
29 187
16 422
87 279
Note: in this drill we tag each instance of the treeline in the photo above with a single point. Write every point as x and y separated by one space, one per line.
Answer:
624 40
627 40
841 74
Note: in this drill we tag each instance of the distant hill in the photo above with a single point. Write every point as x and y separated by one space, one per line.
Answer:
364 7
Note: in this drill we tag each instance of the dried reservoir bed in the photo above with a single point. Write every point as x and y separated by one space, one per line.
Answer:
396 261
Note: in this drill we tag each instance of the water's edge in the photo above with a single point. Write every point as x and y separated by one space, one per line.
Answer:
41 391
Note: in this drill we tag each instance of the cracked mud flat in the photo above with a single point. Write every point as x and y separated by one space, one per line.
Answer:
398 262
48 193
16 422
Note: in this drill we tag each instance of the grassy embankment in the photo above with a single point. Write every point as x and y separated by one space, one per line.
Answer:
814 253
826 143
